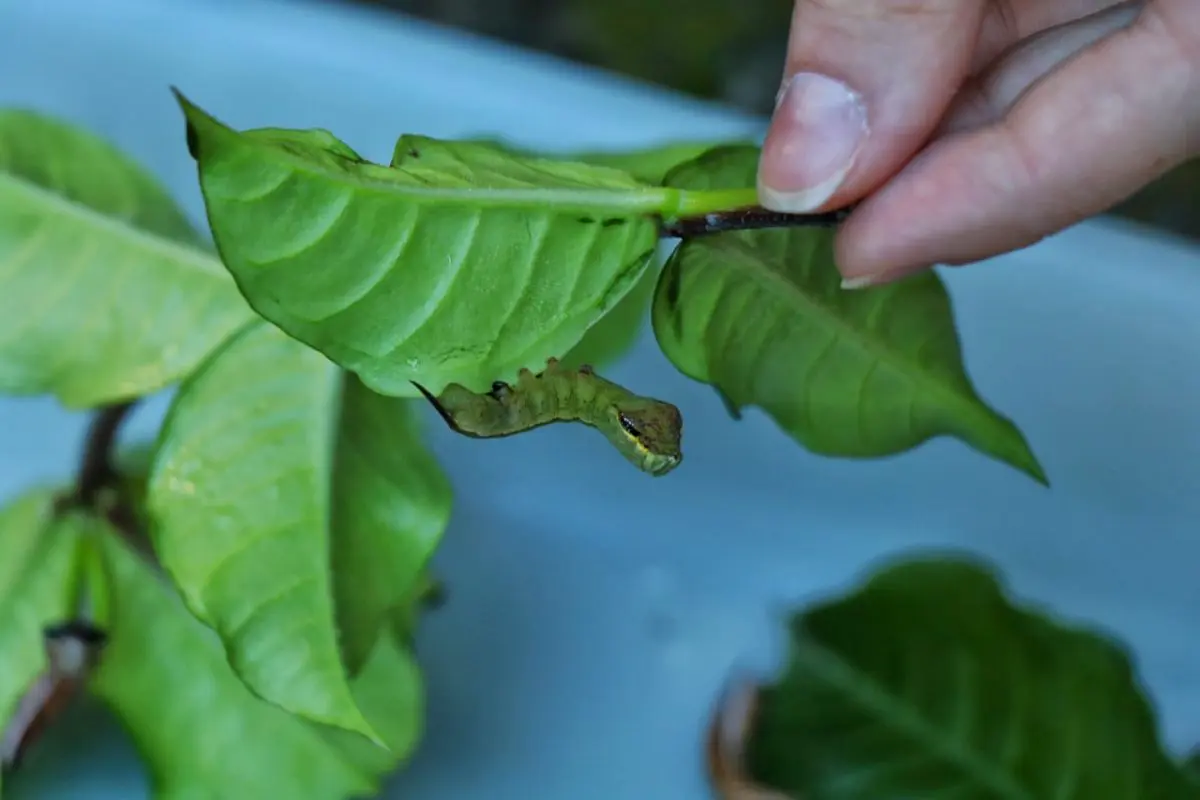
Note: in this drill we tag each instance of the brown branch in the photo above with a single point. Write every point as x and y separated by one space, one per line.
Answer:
747 219
97 470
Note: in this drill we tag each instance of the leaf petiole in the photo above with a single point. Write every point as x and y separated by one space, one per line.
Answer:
96 470
703 211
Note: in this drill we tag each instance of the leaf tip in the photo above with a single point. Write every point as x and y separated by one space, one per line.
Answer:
1008 444
346 716
1024 459
362 726
196 119
187 106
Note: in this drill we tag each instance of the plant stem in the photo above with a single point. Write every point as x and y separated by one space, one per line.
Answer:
746 219
698 202
96 469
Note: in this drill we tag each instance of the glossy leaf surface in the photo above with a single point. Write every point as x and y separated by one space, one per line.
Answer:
761 316
461 261
391 505
650 164
294 509
202 733
241 500
108 291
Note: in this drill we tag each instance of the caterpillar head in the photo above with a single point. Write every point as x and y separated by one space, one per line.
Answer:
647 432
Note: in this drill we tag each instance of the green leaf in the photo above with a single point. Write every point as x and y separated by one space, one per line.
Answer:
201 732
391 692
761 316
615 334
1191 767
652 164
460 262
38 587
240 494
391 506
927 681
428 594
108 291
649 165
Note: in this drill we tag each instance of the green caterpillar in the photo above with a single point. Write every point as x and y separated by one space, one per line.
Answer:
644 430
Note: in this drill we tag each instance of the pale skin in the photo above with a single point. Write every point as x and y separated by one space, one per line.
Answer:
965 129
644 430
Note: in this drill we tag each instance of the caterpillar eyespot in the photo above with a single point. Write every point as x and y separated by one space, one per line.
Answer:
629 427
645 431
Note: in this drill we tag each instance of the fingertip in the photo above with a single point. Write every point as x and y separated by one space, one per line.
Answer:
865 84
1094 130
906 227
818 128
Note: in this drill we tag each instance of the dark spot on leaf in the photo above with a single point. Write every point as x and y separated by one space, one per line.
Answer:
414 152
193 142
673 280
673 288
586 220
609 223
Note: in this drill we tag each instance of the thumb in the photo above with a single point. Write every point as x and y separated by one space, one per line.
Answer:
865 84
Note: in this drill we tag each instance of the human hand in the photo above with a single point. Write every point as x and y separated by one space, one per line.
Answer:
961 148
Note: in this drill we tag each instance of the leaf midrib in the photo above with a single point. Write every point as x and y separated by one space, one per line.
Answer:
203 261
743 253
641 199
864 691
635 200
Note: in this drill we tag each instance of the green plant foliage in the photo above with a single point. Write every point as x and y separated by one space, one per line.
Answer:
108 291
294 508
615 334
390 691
461 262
247 514
761 316
391 506
38 587
652 164
649 165
927 681
202 733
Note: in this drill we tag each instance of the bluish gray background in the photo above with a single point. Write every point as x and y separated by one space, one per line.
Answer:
594 613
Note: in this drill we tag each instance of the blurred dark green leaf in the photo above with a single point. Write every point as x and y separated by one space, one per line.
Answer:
1168 203
928 681
1191 765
